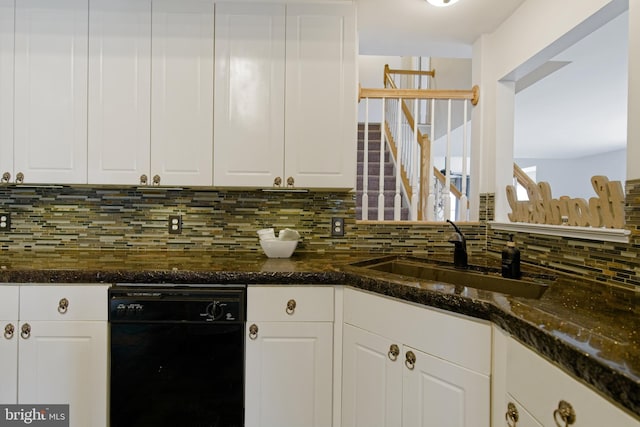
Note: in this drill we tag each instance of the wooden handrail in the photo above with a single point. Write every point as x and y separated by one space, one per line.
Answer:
388 71
522 178
443 179
431 73
473 95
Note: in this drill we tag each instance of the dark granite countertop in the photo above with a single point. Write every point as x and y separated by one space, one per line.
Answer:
588 329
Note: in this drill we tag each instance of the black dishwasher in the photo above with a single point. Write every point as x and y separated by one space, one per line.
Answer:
177 355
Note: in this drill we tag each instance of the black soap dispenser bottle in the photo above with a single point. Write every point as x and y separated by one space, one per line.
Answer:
511 260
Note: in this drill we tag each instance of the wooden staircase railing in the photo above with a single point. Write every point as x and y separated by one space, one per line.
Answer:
418 191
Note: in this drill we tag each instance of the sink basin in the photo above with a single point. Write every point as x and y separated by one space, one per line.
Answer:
475 277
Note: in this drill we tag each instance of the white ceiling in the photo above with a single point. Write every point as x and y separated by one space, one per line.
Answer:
579 109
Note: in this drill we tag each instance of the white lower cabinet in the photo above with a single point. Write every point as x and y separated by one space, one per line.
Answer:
9 299
58 350
405 365
372 379
550 397
289 356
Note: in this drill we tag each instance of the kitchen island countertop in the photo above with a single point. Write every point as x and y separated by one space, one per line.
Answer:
588 329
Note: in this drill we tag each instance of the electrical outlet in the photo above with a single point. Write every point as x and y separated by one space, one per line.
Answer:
175 224
5 222
337 226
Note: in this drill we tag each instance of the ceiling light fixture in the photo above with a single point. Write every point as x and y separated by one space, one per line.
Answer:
442 3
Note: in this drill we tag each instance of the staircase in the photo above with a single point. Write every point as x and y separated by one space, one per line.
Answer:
374 178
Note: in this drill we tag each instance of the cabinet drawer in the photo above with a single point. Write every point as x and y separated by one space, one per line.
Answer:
290 303
63 302
460 340
539 386
9 296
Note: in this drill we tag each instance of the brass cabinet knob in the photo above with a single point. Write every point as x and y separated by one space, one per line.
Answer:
9 329
512 416
143 179
25 331
277 182
253 331
566 414
393 353
19 178
156 179
6 177
410 361
63 306
290 181
291 307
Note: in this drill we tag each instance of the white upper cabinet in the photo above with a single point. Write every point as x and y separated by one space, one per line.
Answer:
285 95
7 11
320 107
249 94
119 91
50 135
182 92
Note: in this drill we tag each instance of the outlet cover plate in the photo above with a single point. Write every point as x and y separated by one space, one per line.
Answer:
5 222
337 226
175 224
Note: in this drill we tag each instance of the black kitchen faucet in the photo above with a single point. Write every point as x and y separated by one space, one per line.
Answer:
460 250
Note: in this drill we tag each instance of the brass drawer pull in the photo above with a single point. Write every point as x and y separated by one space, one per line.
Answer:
9 330
6 177
19 178
566 413
393 353
253 331
25 331
512 416
277 182
410 361
143 179
290 181
156 180
63 306
291 307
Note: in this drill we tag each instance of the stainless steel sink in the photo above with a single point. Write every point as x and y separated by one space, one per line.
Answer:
475 277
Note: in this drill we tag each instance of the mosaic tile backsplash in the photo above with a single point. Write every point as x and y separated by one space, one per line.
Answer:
78 217
612 263
225 221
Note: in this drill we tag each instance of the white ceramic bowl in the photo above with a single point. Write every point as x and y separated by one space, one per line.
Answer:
278 248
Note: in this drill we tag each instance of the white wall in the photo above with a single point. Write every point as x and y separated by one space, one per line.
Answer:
370 75
536 32
572 177
633 111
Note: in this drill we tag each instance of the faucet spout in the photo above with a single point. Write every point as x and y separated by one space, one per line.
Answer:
460 247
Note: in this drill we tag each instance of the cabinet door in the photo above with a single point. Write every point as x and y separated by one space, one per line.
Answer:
51 90
320 124
66 363
249 88
182 92
119 91
439 393
372 380
7 11
9 296
289 374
